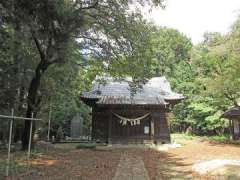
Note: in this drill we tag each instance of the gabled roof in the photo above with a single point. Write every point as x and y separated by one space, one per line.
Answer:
156 91
231 113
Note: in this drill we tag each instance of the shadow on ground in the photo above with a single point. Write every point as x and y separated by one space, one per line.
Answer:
228 171
163 165
74 164
95 164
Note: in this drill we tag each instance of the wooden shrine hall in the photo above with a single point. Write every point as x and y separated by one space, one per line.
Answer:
233 114
120 117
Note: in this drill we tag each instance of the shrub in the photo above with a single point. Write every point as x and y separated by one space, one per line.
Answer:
59 135
86 146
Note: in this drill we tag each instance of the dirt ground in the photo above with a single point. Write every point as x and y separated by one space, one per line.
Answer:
96 164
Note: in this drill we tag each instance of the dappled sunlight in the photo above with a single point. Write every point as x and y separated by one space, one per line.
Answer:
166 165
166 147
209 166
174 161
99 90
46 162
37 162
227 170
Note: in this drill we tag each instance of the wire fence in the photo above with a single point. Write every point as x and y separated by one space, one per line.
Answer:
7 162
19 163
16 163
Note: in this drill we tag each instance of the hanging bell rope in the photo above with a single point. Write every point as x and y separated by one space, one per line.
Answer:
133 121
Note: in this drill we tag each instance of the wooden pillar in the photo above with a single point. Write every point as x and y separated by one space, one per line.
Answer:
152 128
231 128
93 130
110 128
236 130
161 129
49 122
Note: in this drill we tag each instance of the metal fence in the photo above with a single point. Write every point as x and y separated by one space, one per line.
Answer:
13 118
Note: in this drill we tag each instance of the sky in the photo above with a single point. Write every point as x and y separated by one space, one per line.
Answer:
194 17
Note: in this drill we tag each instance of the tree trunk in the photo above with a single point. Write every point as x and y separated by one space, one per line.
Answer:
18 125
32 102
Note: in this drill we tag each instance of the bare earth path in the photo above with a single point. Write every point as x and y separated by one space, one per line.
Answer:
131 168
126 163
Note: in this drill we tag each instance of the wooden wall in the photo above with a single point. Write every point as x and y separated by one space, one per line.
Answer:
100 124
236 129
129 133
161 127
106 126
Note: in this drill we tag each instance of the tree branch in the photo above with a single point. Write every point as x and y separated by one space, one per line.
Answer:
38 45
94 5
49 46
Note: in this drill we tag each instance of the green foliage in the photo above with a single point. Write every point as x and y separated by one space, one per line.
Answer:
86 146
210 83
215 122
170 48
59 135
52 50
201 108
65 44
181 138
220 138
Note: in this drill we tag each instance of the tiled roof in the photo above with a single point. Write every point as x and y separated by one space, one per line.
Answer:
232 112
156 91
123 100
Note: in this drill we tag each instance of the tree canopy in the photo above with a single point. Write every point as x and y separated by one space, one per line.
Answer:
53 32
51 51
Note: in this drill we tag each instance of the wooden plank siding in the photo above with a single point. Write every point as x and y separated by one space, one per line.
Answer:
99 125
106 127
161 127
127 133
236 129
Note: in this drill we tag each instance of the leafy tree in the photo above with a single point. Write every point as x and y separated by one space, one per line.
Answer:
213 85
59 135
170 48
100 28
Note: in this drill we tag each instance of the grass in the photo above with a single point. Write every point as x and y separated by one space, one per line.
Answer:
86 146
66 146
18 159
181 138
222 139
94 162
15 166
72 146
228 171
